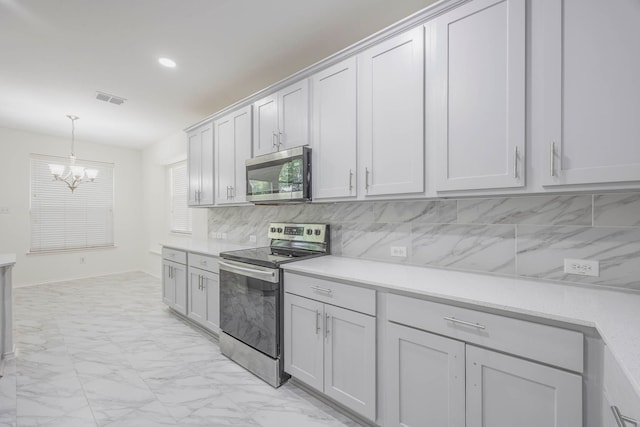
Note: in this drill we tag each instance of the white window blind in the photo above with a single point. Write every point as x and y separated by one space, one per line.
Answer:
180 212
62 220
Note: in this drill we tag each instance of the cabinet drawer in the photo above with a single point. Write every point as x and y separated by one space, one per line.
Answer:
174 255
547 344
339 294
203 262
618 392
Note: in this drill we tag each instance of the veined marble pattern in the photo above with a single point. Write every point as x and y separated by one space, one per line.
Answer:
544 210
487 248
373 241
468 234
106 352
541 253
617 210
427 211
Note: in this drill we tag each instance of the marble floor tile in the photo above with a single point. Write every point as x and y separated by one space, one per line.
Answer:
106 351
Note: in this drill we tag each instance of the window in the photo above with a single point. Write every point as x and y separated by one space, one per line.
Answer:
62 220
180 212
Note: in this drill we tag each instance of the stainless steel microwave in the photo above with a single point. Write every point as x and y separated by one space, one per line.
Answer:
284 176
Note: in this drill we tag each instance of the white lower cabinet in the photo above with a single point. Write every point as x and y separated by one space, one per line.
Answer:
438 381
620 402
505 391
425 383
332 349
174 279
204 292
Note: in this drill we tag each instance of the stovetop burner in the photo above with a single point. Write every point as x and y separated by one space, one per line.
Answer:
289 242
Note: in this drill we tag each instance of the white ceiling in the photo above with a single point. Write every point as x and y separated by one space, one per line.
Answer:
55 55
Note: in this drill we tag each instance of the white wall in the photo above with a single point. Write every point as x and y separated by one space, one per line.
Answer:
15 147
156 200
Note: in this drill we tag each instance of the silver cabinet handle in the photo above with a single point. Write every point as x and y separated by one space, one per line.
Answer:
515 162
622 420
366 179
274 140
319 289
317 322
326 325
552 158
350 180
232 191
280 138
464 322
170 272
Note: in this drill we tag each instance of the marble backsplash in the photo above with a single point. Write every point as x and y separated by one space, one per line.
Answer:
528 236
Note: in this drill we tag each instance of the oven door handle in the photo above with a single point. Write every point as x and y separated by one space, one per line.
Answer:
270 275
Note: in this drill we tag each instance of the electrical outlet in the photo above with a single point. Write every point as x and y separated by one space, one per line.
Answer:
4 210
218 235
253 238
583 267
399 251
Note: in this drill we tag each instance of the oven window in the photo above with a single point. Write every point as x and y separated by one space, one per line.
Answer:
284 176
250 311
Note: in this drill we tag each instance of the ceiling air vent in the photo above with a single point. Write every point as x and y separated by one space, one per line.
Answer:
113 99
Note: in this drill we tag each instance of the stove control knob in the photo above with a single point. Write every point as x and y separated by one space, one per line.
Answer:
318 231
309 231
279 229
273 229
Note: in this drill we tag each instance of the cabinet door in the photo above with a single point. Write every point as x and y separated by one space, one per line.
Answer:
334 131
194 165
350 359
211 286
591 92
207 189
504 391
233 148
293 115
180 280
480 57
168 285
225 158
196 296
391 115
265 125
303 340
425 379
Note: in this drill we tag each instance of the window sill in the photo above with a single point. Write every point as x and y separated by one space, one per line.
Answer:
75 250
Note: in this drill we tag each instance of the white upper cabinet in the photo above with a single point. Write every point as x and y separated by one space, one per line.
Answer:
233 147
334 136
477 92
391 116
591 91
281 120
200 163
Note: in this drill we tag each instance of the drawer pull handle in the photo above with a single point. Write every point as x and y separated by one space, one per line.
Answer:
319 289
464 322
622 420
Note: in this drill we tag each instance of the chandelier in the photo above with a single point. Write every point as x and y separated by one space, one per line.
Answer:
76 174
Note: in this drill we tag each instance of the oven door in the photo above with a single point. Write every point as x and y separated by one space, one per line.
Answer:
250 305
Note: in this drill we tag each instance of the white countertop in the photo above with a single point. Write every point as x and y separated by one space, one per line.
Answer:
205 247
614 314
7 259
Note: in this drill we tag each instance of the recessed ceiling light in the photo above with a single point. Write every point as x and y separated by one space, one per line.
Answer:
166 62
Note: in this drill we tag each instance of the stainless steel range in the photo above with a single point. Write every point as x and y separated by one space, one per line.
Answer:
251 296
